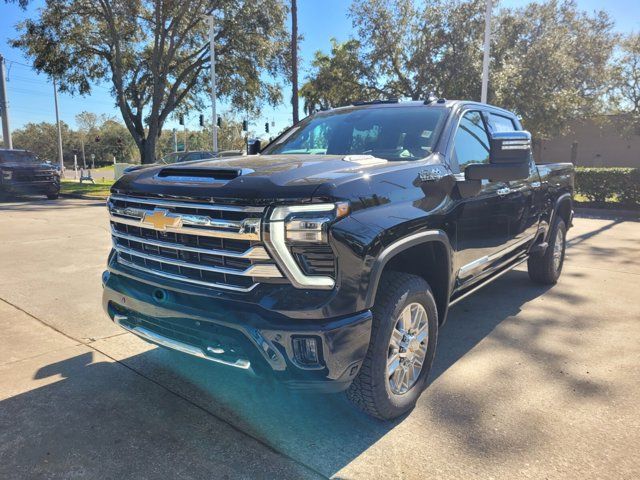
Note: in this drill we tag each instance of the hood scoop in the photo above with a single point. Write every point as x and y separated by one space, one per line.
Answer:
201 175
364 160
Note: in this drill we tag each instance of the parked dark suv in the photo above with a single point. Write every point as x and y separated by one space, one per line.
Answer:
23 172
330 259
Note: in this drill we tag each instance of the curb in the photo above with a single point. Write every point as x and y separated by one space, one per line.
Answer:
607 212
83 197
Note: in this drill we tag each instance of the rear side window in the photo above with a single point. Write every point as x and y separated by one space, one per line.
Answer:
471 143
501 124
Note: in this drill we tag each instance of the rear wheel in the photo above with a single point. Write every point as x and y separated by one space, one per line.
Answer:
53 196
401 350
546 269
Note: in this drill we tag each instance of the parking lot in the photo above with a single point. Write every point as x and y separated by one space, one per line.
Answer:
529 381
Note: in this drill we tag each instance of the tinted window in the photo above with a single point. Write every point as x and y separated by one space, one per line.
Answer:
17 156
501 124
393 133
471 144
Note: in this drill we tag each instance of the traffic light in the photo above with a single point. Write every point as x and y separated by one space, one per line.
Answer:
181 119
245 126
219 121
266 127
201 120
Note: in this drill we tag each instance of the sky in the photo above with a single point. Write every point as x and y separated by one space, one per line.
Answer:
30 95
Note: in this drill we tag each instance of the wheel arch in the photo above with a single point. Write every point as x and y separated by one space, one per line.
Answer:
563 208
434 250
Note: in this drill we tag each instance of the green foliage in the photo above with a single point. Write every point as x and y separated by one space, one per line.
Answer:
550 63
156 54
114 140
338 78
549 60
230 137
603 184
625 94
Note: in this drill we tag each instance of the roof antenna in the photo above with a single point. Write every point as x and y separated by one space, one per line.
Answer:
432 97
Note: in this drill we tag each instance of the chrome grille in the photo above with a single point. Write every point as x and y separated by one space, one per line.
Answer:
205 244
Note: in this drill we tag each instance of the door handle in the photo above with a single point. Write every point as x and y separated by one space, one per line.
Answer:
504 191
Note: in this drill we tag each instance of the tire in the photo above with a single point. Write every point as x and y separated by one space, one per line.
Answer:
372 390
53 196
546 269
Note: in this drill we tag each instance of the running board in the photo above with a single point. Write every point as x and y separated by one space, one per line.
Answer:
488 281
167 342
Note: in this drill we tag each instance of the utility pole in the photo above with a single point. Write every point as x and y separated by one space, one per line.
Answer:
294 60
485 58
214 118
55 100
4 108
82 144
175 140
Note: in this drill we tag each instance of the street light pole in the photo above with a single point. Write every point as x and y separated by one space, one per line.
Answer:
4 108
55 100
214 120
485 58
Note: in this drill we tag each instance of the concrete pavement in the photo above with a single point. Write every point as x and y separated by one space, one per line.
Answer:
529 382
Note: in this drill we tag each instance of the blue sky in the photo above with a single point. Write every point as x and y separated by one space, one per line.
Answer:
31 97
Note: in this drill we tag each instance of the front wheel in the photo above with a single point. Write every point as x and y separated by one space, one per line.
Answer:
401 350
53 196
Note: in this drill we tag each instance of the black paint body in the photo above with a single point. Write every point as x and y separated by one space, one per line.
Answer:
419 207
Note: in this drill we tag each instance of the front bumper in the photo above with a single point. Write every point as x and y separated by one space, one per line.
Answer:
222 332
41 187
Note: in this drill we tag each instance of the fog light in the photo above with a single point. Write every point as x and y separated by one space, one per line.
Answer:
305 351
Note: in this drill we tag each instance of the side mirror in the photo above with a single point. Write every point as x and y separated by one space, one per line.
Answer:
253 147
508 158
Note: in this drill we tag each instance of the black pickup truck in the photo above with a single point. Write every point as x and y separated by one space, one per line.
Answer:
330 259
22 172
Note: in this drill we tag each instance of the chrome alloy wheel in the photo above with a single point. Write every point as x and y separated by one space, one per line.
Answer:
407 348
558 245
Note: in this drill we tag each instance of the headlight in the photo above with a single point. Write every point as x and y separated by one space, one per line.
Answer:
7 174
302 225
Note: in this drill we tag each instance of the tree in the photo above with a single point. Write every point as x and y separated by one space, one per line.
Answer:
626 84
338 78
42 139
551 64
155 54
414 48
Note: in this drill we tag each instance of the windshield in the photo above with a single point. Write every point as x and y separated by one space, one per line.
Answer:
394 133
17 156
171 158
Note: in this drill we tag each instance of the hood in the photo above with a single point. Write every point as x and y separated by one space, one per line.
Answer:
26 165
262 178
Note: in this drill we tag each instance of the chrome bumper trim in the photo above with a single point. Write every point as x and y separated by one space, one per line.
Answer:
158 339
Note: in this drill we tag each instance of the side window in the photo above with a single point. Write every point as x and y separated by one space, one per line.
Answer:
471 143
501 124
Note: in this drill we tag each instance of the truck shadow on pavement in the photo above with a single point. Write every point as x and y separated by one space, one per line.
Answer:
98 413
36 204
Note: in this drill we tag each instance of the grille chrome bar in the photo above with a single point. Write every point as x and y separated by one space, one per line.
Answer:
199 206
182 278
240 234
203 244
253 253
258 270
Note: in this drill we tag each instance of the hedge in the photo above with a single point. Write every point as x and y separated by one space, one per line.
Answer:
616 184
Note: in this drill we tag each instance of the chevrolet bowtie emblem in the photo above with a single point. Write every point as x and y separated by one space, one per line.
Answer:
162 219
